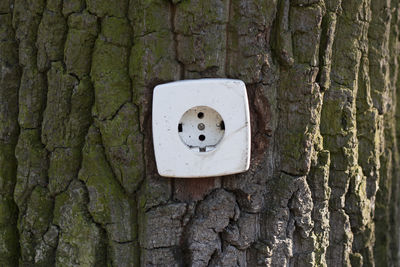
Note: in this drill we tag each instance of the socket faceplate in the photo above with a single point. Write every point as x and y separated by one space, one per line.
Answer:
201 128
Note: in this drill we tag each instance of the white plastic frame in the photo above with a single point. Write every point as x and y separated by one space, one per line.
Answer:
232 154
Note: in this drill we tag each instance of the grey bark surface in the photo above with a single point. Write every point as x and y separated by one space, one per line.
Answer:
78 180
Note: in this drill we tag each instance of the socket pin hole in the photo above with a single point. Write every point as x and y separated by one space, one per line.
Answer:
200 115
202 137
180 127
222 125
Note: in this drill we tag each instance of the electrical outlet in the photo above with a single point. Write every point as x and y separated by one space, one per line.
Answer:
201 128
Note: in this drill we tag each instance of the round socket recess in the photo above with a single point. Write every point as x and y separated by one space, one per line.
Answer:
201 128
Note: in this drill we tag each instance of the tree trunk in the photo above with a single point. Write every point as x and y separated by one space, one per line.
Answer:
78 180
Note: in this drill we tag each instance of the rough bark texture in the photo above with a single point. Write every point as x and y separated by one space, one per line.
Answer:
78 181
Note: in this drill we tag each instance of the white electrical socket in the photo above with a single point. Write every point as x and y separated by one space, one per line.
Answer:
201 128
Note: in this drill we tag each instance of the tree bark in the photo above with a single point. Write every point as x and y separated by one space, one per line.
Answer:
78 180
